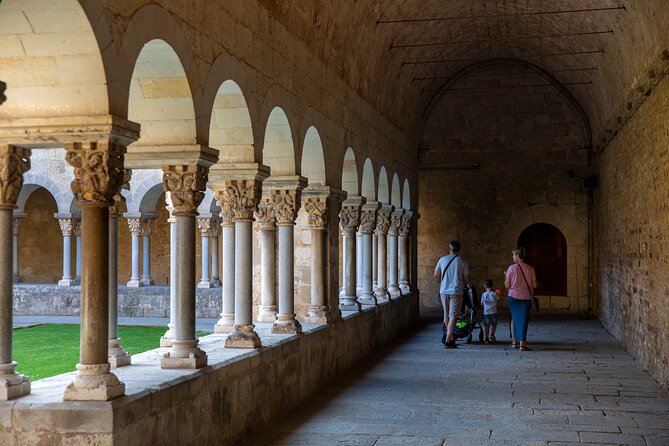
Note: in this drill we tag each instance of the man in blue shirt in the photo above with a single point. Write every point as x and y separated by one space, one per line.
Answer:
451 272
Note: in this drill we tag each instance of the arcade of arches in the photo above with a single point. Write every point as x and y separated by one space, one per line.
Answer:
300 166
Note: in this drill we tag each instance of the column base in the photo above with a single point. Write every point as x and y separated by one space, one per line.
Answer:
404 288
16 279
394 291
349 303
286 324
67 282
243 336
147 281
318 315
184 355
225 324
368 299
381 294
135 283
166 339
267 313
94 382
12 385
204 284
215 283
118 357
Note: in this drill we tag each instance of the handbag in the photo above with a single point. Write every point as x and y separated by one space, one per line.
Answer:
535 300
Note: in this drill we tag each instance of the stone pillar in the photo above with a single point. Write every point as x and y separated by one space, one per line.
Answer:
227 321
367 225
16 230
375 260
381 232
14 161
349 220
316 206
204 226
98 171
242 195
215 231
166 339
118 357
358 262
185 183
403 253
393 230
147 229
135 224
67 228
76 226
267 227
286 192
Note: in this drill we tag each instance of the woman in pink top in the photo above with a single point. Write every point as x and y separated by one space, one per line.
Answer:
521 281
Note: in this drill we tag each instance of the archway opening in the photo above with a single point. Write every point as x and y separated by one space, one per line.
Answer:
230 129
546 249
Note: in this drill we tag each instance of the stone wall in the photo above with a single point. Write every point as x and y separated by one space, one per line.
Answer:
239 392
631 238
498 156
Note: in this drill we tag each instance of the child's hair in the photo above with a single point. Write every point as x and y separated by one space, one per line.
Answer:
487 283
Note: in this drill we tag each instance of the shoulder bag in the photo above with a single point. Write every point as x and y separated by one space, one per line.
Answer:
535 300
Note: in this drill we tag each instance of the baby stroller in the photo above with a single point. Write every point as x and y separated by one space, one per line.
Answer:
468 320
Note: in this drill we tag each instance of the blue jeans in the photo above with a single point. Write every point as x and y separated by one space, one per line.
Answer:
520 313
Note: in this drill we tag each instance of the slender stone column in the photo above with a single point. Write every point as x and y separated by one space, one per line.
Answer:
243 196
381 231
358 262
403 252
67 228
76 226
147 229
98 171
166 339
267 228
135 224
367 225
375 260
118 357
316 207
186 184
227 321
14 161
204 226
215 231
286 192
349 220
18 219
393 230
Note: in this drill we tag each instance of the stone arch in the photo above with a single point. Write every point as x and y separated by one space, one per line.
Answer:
313 160
208 203
52 64
60 197
149 201
368 187
383 194
278 145
144 182
406 195
349 174
395 192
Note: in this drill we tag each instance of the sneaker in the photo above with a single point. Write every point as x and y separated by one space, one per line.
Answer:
486 342
493 339
451 344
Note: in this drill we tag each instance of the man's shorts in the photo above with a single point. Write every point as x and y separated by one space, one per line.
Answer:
490 319
453 304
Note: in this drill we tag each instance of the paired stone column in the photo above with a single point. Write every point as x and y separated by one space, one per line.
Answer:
135 224
403 252
147 229
67 228
76 225
15 161
381 232
349 220
286 192
393 231
18 220
267 228
215 231
118 357
375 260
185 183
204 226
98 171
227 320
166 339
358 262
367 226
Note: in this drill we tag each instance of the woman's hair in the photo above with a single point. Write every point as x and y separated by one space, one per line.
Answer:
520 252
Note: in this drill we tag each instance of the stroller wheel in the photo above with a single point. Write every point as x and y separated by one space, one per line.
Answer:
469 338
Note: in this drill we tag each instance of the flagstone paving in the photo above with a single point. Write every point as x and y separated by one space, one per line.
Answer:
577 387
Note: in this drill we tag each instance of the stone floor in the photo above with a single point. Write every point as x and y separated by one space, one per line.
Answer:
577 387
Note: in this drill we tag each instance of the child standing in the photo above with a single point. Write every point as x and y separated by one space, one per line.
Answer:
489 299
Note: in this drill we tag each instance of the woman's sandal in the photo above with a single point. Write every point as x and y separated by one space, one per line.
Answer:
525 349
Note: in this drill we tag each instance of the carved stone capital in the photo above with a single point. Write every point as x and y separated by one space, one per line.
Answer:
405 226
16 230
317 211
98 171
367 221
349 218
215 230
135 226
226 214
265 213
14 161
241 197
76 227
286 204
382 223
204 225
395 223
66 226
147 227
186 184
119 206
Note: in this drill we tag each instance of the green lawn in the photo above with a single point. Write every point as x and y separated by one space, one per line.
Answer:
51 349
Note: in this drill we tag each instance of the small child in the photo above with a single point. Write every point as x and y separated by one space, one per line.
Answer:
489 300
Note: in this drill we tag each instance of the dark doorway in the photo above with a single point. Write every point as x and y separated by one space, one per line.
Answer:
546 250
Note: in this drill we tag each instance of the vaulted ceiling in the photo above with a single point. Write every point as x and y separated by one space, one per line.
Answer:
400 54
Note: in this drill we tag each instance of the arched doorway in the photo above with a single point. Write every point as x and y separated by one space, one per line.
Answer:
546 250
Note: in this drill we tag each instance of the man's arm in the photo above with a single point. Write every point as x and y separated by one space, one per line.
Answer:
437 273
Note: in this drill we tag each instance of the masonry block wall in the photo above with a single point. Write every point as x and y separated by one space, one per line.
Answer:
631 239
530 145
